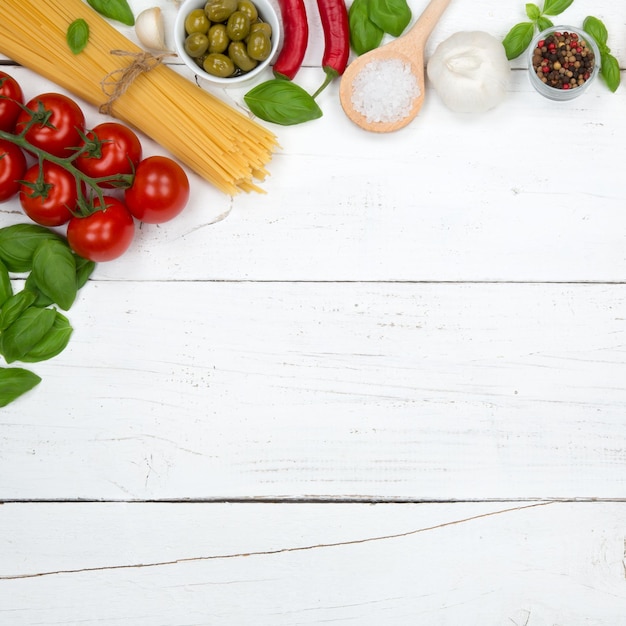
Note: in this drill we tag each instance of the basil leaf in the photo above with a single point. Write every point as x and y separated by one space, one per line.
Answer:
533 12
41 299
518 39
15 381
54 272
77 35
609 70
594 27
14 307
543 23
53 343
282 102
364 34
117 10
19 242
6 291
26 332
555 7
84 269
393 16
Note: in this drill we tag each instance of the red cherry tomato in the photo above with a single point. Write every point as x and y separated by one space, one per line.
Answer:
12 168
115 149
11 96
59 122
159 192
51 201
105 234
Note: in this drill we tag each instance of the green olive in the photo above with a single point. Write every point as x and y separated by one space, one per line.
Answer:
220 10
196 44
219 65
259 46
218 38
238 53
200 60
249 9
197 22
262 26
238 26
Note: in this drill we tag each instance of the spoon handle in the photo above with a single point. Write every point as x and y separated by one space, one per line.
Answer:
420 31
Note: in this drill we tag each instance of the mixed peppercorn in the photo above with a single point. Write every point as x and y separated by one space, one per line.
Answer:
563 60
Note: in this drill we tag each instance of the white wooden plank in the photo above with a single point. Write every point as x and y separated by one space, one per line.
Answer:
449 198
400 390
428 565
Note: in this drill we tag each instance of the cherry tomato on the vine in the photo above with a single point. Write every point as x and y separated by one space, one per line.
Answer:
159 192
114 149
11 97
12 168
51 200
103 235
59 122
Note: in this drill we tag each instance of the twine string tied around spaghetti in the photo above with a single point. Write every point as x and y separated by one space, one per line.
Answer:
115 83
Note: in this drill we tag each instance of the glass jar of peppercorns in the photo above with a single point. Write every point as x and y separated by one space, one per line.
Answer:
563 61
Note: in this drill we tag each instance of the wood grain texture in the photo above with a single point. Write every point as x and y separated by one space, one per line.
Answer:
177 565
448 198
276 389
436 315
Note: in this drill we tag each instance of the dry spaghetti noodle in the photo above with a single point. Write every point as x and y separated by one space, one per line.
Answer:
219 143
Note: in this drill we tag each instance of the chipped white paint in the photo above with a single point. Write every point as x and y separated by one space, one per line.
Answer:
433 315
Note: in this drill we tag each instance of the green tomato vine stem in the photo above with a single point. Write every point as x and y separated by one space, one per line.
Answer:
87 187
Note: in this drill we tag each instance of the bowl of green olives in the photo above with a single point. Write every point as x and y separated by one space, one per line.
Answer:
227 42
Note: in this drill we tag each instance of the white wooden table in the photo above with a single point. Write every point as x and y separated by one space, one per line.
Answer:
391 390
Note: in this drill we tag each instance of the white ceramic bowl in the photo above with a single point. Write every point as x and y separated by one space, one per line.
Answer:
554 93
266 12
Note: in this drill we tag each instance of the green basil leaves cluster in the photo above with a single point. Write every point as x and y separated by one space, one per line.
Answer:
369 20
520 36
609 65
31 327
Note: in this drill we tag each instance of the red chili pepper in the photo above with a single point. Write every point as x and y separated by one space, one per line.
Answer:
295 38
334 18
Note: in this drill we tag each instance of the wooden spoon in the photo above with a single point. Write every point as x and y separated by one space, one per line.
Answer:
408 48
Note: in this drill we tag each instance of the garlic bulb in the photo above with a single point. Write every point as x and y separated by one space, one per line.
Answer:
150 29
470 71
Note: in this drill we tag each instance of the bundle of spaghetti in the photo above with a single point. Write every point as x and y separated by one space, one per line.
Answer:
219 143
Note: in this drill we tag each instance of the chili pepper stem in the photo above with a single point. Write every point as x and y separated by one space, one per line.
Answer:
331 74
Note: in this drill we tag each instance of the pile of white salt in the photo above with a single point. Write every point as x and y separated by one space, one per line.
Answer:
384 90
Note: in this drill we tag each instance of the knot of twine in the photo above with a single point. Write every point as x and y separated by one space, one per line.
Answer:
115 83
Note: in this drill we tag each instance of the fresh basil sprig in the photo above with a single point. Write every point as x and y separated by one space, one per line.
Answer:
609 65
393 16
520 36
365 35
77 35
118 10
282 102
369 20
31 328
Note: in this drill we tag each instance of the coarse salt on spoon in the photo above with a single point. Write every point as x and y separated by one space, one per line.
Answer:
405 57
